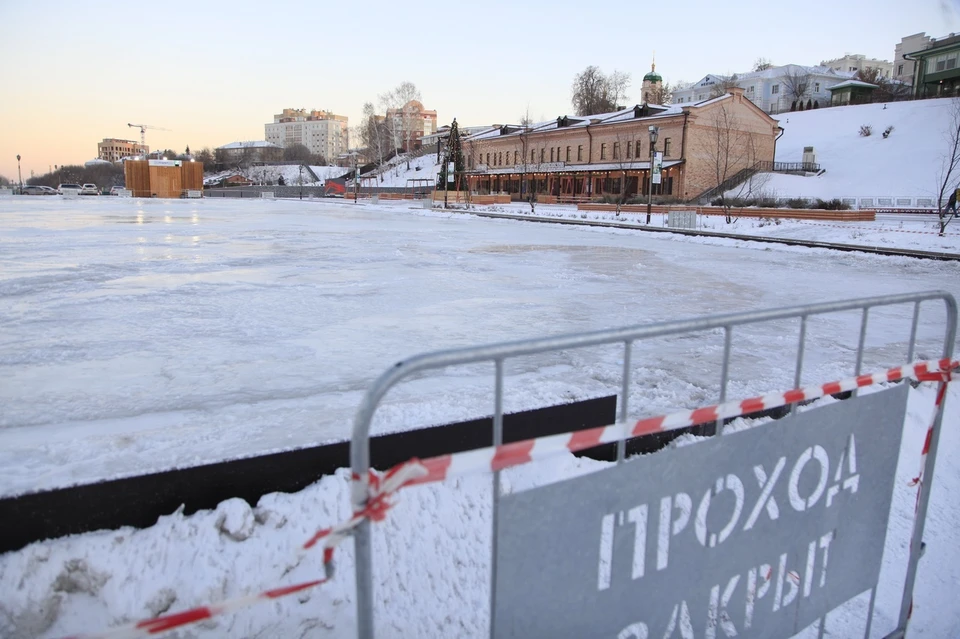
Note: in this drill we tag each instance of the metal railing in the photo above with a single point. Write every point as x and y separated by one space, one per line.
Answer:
498 354
788 167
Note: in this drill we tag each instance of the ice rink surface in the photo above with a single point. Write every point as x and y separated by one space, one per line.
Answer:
139 335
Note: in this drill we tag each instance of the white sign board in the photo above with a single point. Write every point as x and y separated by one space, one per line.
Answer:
753 534
164 163
657 167
451 169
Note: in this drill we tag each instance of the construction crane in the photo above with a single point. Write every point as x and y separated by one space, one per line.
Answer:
143 133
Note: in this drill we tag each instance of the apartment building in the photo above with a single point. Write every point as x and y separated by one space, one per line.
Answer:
322 132
903 67
774 90
114 150
855 62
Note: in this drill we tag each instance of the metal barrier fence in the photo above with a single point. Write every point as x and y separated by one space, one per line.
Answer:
499 353
891 202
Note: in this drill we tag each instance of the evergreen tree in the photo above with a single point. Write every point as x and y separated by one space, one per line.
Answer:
454 154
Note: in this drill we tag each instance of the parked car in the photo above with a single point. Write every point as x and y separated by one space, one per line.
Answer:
115 190
89 189
69 189
49 190
32 190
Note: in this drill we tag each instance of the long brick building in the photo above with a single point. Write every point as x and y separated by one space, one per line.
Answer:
703 144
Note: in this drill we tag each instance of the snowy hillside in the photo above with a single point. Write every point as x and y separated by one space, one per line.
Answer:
422 168
270 174
904 164
291 173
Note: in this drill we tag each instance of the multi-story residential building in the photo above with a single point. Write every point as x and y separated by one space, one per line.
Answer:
903 68
323 132
248 152
774 90
593 155
410 123
937 69
853 63
114 150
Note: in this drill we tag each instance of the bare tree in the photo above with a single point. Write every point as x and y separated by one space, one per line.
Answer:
723 86
205 156
594 92
949 174
373 133
625 151
527 159
728 149
762 64
397 106
297 153
662 93
617 84
873 75
796 84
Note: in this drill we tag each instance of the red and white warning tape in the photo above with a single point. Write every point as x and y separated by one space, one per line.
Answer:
507 455
382 487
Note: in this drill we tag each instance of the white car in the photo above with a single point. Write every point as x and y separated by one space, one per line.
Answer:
89 189
69 189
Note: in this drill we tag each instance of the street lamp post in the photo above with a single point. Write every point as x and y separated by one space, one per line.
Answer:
19 175
654 132
301 181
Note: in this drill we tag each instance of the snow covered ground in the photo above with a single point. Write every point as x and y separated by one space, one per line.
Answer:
148 334
904 164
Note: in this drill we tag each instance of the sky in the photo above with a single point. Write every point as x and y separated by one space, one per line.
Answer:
215 72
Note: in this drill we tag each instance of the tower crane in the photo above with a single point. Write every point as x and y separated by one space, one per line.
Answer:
143 133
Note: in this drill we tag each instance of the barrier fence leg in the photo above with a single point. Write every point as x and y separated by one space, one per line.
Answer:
724 376
624 399
364 574
497 441
923 501
798 368
873 602
860 346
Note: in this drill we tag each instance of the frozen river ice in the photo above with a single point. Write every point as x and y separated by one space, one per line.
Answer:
145 334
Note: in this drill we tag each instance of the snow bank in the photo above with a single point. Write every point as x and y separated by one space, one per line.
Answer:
432 558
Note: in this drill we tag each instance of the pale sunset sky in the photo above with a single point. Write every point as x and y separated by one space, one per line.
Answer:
216 72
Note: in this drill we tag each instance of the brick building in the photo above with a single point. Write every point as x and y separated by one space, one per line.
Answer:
596 155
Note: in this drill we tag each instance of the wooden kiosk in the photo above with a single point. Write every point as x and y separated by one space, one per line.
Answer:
162 178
